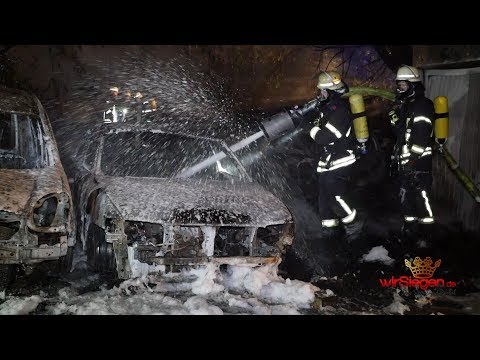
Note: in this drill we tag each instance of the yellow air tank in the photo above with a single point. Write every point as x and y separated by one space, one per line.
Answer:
360 119
441 119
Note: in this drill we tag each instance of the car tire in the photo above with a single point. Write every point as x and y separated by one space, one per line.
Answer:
100 255
7 275
65 262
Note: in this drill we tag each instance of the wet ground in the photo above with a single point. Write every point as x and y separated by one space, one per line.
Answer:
356 283
351 294
352 288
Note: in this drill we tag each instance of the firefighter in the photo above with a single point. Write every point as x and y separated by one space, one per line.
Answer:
128 105
412 119
117 106
111 113
149 107
139 104
332 131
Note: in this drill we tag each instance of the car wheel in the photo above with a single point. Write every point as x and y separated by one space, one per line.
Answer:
100 255
65 262
294 267
7 275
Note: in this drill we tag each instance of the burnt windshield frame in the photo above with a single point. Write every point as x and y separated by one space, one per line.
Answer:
26 146
164 155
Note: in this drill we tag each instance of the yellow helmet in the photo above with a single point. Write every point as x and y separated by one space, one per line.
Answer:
330 80
408 73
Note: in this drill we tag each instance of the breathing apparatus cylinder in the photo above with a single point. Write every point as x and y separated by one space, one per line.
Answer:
441 119
360 124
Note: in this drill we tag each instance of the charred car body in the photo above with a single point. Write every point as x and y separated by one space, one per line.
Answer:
152 199
36 221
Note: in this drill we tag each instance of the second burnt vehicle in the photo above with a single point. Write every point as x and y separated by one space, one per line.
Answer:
36 212
149 199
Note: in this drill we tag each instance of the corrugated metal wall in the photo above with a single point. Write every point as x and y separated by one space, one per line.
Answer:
462 88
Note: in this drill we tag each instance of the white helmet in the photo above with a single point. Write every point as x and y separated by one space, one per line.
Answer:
330 80
408 73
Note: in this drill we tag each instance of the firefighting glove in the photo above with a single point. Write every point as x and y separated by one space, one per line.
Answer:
296 117
308 110
300 122
304 115
320 121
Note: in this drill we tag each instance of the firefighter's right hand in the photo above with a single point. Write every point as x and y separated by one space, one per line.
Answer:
300 122
306 112
296 117
307 109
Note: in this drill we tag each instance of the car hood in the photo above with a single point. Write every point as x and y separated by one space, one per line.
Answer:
20 189
193 201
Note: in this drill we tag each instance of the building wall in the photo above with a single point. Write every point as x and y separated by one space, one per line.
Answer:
437 56
269 76
470 154
464 128
51 70
462 89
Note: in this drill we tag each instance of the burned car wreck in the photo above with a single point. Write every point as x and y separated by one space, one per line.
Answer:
150 200
36 221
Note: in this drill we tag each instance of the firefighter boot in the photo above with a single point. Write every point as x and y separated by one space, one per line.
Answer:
337 250
353 230
424 239
332 233
409 235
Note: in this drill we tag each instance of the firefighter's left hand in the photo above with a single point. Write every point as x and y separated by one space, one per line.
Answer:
305 125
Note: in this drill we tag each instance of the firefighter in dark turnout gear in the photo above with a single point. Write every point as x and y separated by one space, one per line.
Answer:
116 106
110 114
412 119
332 131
